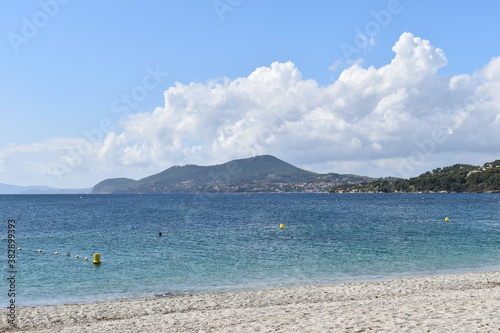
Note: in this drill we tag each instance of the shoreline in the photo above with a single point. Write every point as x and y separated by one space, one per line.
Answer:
229 290
442 303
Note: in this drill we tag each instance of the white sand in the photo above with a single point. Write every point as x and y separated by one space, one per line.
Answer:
448 303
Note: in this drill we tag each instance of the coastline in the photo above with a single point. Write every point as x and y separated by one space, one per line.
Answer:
442 303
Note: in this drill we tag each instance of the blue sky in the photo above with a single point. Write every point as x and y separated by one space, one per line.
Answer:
80 83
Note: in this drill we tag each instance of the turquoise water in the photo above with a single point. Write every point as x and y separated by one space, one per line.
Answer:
232 242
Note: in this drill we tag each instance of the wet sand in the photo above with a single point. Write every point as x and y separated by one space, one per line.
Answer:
446 303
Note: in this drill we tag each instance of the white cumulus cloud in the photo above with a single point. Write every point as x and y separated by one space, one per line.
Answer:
399 119
367 114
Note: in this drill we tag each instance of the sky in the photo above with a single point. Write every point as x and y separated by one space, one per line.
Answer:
91 90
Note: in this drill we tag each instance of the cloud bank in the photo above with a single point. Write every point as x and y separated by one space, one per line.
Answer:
396 120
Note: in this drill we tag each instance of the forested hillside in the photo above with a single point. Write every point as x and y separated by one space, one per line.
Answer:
455 178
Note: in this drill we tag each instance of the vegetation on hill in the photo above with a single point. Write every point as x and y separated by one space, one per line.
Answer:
456 178
109 185
256 174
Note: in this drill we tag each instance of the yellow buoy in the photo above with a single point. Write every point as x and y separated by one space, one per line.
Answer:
447 219
282 226
97 258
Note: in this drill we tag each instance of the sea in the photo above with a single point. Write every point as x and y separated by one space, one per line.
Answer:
235 242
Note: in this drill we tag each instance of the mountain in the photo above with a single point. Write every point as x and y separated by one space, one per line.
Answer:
455 178
14 189
256 174
52 190
108 186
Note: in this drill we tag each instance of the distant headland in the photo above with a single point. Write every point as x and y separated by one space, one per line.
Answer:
458 178
269 174
263 173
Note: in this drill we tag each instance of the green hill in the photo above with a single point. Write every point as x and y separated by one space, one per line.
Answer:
109 185
456 178
256 174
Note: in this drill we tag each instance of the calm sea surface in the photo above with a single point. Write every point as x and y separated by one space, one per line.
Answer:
233 242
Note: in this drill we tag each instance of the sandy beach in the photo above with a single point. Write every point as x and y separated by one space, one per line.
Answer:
446 303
